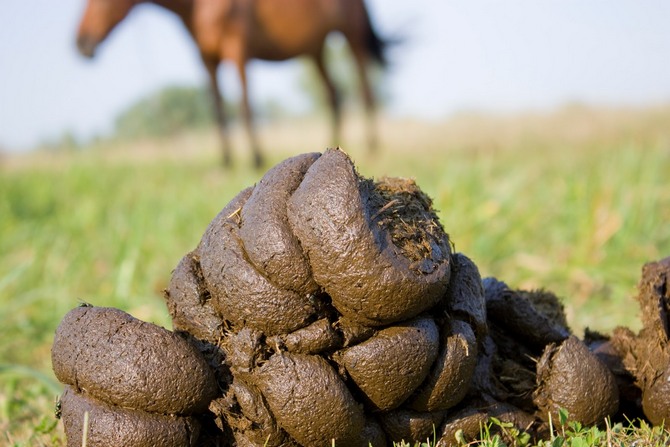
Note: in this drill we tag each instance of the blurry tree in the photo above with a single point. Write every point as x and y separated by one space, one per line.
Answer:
340 64
174 109
166 112
69 141
66 141
270 109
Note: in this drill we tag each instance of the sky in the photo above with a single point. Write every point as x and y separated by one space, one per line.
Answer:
488 55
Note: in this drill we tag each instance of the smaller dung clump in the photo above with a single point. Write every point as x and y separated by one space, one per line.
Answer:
137 382
641 362
107 424
320 305
529 365
568 372
121 360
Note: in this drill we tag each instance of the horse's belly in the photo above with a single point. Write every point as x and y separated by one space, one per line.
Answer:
283 29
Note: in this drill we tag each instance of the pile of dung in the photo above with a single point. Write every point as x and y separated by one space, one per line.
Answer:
320 306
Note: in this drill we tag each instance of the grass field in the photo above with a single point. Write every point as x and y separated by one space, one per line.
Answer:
575 201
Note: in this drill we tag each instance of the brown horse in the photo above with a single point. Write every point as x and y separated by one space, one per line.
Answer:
240 30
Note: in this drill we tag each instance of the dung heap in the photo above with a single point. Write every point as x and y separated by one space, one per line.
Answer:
320 306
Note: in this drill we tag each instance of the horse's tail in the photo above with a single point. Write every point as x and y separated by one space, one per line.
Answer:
375 45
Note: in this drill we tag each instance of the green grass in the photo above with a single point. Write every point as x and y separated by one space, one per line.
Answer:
566 433
574 202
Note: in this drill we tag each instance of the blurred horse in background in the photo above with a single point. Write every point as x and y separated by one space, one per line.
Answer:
274 30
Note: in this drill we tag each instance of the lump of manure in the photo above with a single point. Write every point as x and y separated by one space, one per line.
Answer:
654 298
485 381
121 360
464 425
653 360
471 420
389 366
244 351
548 305
451 375
646 356
656 399
353 332
188 302
619 352
112 426
313 339
516 311
309 400
373 435
257 425
241 294
377 249
465 295
265 231
411 426
569 376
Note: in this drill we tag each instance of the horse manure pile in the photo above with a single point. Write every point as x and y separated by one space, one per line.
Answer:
321 305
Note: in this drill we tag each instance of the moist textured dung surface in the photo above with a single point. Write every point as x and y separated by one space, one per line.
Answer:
643 360
354 260
112 425
566 374
130 363
320 305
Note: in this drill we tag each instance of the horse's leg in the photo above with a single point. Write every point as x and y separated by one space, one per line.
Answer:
219 110
333 96
361 58
248 115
